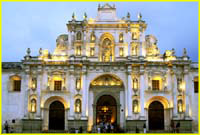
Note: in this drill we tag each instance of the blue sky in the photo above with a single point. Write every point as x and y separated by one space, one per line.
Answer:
38 24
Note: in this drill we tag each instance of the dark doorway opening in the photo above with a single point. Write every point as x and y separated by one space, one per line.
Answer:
56 116
156 116
106 110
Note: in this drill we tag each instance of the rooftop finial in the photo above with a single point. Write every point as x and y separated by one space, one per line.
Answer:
28 51
85 16
184 52
40 51
139 16
73 16
128 15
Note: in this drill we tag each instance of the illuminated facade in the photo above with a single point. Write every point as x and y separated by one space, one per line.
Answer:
104 69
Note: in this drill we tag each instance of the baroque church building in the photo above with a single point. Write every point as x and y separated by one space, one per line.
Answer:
104 70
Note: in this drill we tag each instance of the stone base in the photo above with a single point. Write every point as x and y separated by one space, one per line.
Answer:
31 125
76 124
132 124
185 126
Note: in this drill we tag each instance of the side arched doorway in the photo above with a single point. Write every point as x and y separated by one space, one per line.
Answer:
106 109
156 116
56 116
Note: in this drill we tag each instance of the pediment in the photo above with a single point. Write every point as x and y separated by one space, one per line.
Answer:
106 80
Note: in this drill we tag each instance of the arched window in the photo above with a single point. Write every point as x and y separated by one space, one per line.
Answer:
180 106
33 105
15 83
121 37
78 105
135 106
78 35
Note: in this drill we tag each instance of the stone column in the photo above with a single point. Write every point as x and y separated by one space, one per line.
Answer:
66 119
129 95
84 96
90 110
174 81
71 110
26 93
187 107
38 114
45 119
44 81
142 89
129 43
142 51
84 43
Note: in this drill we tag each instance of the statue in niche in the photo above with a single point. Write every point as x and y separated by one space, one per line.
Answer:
78 106
180 106
93 37
106 50
33 105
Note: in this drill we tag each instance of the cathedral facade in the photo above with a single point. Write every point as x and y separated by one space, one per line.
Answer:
104 70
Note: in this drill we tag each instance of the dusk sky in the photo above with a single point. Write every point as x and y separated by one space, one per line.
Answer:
38 24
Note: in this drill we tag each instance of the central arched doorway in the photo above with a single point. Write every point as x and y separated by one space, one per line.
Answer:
106 110
156 116
56 116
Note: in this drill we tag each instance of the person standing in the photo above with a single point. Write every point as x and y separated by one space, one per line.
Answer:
172 126
178 127
144 127
6 127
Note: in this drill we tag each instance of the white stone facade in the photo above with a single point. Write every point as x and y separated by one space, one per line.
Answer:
94 48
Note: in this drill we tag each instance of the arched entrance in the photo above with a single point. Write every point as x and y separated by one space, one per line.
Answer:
56 116
106 109
156 116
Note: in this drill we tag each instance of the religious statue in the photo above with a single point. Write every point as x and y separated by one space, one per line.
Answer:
40 52
106 50
28 52
78 106
135 106
33 105
180 106
139 17
184 52
173 52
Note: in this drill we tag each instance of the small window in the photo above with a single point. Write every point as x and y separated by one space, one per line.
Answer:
155 85
78 36
196 86
78 105
57 85
17 85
